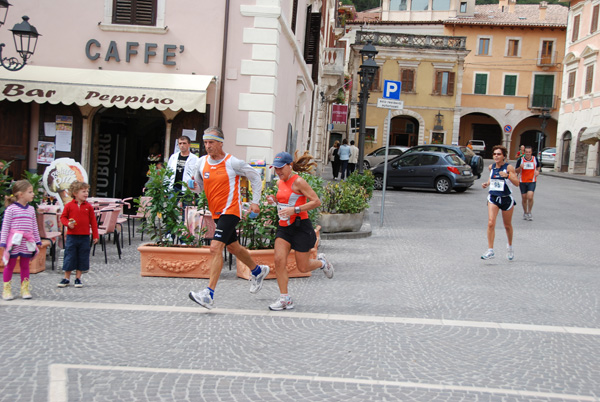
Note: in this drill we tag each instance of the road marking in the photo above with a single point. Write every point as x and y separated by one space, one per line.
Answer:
313 316
57 391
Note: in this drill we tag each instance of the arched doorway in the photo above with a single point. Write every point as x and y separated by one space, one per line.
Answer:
566 152
404 131
122 141
581 153
480 126
535 139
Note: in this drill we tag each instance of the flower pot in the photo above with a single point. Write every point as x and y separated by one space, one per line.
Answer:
37 263
331 223
175 262
267 257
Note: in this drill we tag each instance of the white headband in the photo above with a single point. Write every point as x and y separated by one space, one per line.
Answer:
212 137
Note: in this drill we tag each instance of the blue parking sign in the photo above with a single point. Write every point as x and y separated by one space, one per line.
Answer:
391 89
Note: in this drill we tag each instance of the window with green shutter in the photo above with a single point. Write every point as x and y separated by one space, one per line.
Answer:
510 85
481 84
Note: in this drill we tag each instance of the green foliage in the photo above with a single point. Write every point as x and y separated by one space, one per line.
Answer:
344 197
316 183
38 190
365 180
259 233
164 223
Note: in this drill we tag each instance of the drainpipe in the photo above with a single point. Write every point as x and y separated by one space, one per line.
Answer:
223 62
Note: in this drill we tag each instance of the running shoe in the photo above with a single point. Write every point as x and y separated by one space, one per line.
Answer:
328 267
525 216
529 217
7 291
257 281
78 283
510 253
64 283
282 304
203 298
488 255
25 292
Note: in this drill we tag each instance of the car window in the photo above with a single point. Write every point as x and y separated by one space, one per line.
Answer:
454 160
395 151
429 160
411 160
380 152
467 151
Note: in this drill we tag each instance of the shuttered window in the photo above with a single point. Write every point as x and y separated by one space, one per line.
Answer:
571 87
589 79
481 84
311 39
134 12
444 83
576 20
510 85
595 12
408 80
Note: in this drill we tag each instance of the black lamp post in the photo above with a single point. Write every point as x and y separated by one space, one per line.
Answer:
542 135
367 71
25 36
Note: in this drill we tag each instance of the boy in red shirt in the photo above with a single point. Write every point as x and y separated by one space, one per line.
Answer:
78 217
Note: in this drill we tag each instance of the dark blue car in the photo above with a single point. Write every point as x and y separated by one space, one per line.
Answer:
475 161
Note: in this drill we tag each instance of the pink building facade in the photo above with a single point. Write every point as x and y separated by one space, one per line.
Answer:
132 80
579 121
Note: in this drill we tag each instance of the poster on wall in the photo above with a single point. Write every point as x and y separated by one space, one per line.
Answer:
59 176
64 133
50 129
45 152
189 133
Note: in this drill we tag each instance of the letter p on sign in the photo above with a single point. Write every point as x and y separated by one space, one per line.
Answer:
391 89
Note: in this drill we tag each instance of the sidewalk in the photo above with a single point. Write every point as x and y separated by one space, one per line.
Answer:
570 176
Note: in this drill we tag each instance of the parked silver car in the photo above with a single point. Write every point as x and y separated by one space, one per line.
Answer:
548 156
378 156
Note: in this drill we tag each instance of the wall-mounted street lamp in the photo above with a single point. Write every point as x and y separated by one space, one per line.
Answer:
25 36
367 72
439 122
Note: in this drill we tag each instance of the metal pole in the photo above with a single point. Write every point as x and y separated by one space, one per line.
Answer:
364 97
385 167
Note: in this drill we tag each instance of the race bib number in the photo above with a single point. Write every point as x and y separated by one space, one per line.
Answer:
496 185
528 165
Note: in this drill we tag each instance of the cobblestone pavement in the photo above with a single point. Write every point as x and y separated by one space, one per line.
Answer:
412 314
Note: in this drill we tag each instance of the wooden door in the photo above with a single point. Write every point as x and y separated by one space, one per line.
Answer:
14 135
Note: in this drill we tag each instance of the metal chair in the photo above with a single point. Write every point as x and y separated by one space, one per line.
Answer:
108 226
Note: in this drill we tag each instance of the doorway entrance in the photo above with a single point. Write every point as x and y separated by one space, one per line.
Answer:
404 131
122 141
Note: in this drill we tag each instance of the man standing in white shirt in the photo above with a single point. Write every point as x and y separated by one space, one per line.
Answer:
353 158
182 163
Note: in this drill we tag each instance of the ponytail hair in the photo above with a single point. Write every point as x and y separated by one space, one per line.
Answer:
20 186
303 163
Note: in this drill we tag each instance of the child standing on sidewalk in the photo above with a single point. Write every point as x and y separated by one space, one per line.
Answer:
20 237
78 217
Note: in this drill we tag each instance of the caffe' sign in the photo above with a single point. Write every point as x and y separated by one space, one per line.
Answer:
58 178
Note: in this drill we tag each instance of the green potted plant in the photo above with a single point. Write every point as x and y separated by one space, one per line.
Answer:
344 203
165 226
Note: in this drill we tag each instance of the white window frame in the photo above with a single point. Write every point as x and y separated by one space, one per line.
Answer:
491 39
591 63
160 27
508 39
516 84
487 81
374 137
571 25
554 48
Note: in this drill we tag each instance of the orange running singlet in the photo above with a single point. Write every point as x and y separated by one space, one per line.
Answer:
286 197
222 187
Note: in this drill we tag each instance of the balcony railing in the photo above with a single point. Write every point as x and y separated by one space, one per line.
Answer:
546 59
536 101
412 41
333 61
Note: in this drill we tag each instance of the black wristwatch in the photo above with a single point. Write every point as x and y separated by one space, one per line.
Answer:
297 210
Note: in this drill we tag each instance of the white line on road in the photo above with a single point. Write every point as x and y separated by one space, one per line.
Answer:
57 391
314 316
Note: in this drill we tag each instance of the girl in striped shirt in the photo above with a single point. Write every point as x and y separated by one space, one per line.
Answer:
19 237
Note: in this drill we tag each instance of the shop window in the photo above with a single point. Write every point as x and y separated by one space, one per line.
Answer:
407 77
589 79
510 85
444 83
480 84
134 12
571 85
575 32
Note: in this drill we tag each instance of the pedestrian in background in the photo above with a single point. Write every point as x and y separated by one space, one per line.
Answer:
528 169
79 219
218 175
344 153
294 198
334 158
500 198
520 152
19 238
353 158
182 163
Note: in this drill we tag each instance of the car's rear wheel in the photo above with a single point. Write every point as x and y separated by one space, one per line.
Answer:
443 185
366 165
378 182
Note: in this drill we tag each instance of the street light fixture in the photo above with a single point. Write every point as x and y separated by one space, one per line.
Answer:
25 36
367 72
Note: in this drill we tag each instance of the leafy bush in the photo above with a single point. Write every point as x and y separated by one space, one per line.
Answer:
365 180
344 197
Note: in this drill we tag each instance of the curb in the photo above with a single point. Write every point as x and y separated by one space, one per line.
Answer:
586 179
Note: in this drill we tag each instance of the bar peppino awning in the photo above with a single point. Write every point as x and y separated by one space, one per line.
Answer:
105 88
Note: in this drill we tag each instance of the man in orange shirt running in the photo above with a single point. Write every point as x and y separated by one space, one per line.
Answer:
528 168
218 174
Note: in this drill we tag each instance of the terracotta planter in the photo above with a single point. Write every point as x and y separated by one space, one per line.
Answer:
267 257
175 262
37 264
331 223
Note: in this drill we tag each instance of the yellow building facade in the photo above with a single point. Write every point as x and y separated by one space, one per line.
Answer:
513 74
